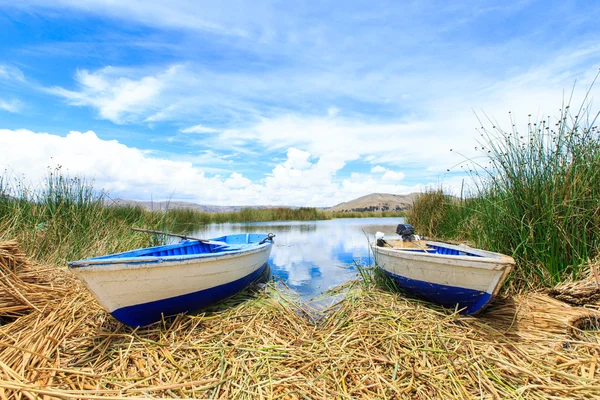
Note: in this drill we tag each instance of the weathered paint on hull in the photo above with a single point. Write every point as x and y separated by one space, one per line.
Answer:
147 313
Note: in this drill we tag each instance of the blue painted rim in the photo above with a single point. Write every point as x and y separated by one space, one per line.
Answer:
147 313
468 301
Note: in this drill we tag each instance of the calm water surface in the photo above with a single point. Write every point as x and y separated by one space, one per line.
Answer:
311 257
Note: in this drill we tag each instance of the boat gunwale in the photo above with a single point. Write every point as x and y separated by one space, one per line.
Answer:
164 261
485 261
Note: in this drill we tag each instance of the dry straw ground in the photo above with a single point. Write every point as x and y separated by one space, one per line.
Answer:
56 342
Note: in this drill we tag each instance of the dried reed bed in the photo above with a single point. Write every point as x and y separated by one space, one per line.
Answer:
372 344
582 292
23 288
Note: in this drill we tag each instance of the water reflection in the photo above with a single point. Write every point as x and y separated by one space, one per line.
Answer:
311 257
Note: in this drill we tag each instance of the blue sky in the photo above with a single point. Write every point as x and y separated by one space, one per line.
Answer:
287 103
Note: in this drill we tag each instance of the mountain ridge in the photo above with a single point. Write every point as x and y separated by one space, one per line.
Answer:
377 202
370 202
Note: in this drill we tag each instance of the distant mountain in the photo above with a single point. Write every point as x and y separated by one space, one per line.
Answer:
371 202
377 202
172 205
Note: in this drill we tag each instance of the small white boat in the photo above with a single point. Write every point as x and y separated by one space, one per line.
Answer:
141 286
455 276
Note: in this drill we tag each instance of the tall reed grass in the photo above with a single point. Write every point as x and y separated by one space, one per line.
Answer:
365 214
179 217
542 198
66 219
437 214
189 216
537 199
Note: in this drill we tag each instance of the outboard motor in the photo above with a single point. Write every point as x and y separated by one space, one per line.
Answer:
406 231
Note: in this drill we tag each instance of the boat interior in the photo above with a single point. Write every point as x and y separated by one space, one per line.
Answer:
423 247
194 247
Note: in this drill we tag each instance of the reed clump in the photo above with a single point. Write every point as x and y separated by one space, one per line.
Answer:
371 344
536 197
177 217
365 214
66 219
436 214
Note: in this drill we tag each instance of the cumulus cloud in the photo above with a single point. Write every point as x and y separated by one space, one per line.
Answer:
237 181
282 114
392 176
114 166
378 169
137 174
297 159
339 140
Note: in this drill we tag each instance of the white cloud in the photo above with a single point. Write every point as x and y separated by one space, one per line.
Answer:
178 14
378 169
198 129
114 166
237 181
318 147
333 111
12 106
297 159
134 173
341 140
11 73
117 98
277 108
392 176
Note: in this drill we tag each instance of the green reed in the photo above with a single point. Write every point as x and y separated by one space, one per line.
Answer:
543 198
66 219
193 217
181 217
537 198
436 214
365 214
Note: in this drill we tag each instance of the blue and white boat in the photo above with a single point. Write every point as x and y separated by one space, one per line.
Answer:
454 276
141 286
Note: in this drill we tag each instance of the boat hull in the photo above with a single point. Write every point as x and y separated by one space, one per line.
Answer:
138 291
464 278
147 313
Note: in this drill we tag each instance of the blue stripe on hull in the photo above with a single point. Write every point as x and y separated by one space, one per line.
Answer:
147 313
469 300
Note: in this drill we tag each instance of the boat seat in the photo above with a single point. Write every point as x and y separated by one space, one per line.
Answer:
218 248
230 247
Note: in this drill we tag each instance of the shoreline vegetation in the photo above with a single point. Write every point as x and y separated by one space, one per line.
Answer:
537 200
535 196
67 219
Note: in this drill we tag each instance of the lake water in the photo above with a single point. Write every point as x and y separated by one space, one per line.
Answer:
311 257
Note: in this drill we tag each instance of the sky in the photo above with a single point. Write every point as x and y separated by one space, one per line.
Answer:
279 103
